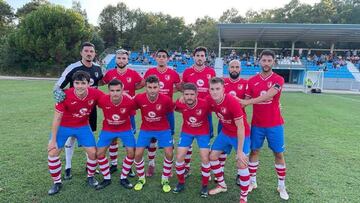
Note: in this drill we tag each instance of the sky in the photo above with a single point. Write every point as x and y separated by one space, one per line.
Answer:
190 10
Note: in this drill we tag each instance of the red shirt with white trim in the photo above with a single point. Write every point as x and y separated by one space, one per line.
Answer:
129 78
267 113
116 117
153 113
76 111
195 121
200 79
228 111
167 79
235 87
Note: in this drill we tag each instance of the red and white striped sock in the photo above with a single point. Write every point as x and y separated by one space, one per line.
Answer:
104 167
244 182
188 158
140 168
180 170
152 152
205 173
113 153
253 166
166 169
222 159
281 173
126 166
54 165
218 173
91 167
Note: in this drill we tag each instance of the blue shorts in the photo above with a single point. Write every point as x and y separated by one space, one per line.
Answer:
133 124
226 143
106 137
171 119
274 137
211 129
163 137
186 140
83 134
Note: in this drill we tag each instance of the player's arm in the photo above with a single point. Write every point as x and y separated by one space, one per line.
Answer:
241 157
140 84
265 97
54 129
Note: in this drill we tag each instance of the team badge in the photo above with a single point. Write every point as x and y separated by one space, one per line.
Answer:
219 115
198 112
83 111
200 83
240 86
161 84
208 76
223 110
269 84
115 117
151 114
128 79
91 82
192 119
233 93
167 77
158 107
91 102
96 74
122 110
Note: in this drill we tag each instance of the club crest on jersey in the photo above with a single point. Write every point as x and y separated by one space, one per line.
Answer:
128 79
83 111
269 84
151 114
115 117
223 110
208 76
96 74
158 107
240 86
122 110
200 83
161 84
167 77
91 102
91 82
220 115
192 119
198 112
233 93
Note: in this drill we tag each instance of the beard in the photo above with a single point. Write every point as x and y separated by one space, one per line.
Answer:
121 66
234 75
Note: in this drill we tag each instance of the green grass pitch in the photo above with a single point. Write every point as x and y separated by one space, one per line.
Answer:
322 135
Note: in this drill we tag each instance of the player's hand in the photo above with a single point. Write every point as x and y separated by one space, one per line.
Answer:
52 145
59 95
242 160
244 102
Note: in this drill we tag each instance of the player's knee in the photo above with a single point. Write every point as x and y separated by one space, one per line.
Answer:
91 154
213 157
131 153
254 152
53 153
279 156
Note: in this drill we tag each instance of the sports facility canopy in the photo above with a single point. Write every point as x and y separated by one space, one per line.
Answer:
291 32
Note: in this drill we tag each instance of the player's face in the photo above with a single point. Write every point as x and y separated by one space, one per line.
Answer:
81 86
266 63
152 89
217 91
115 92
234 70
190 97
88 53
200 58
161 59
122 60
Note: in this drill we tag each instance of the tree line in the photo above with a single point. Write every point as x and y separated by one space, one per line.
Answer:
41 38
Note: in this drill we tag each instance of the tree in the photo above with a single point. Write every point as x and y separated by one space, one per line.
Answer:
6 14
205 33
231 16
30 7
76 6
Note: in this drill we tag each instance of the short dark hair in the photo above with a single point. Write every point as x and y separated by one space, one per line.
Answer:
122 51
198 49
152 79
81 75
115 82
162 51
189 86
86 44
267 52
216 80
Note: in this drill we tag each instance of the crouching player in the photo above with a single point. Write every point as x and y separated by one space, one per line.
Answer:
71 119
195 126
117 109
234 134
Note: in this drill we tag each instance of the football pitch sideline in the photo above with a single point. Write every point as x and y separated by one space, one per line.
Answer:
322 136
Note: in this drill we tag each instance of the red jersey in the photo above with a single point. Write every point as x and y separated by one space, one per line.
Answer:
235 87
167 79
266 114
228 111
195 120
116 117
153 113
76 111
200 79
129 78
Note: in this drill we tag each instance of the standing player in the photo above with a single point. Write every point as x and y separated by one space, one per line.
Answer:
195 126
264 89
234 134
117 109
154 108
200 75
131 81
71 118
235 86
168 78
85 64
